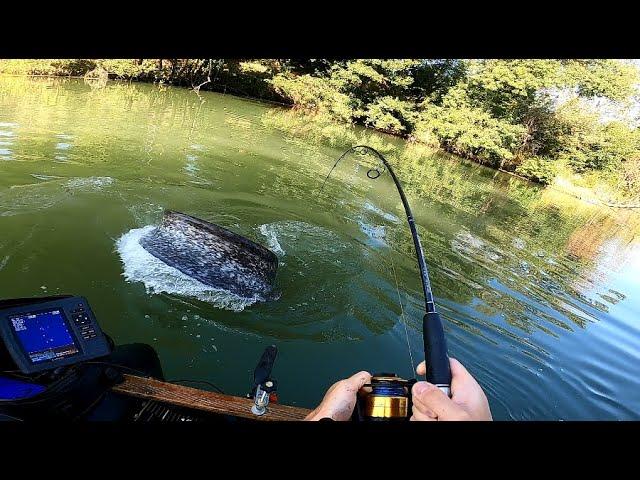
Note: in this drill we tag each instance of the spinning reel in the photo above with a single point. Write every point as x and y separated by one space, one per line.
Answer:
386 397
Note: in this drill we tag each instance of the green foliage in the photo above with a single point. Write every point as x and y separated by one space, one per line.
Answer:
629 176
589 144
376 93
315 95
499 112
518 92
434 78
611 79
390 114
469 130
539 169
73 67
128 69
509 88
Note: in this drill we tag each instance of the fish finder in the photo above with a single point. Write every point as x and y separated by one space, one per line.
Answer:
41 334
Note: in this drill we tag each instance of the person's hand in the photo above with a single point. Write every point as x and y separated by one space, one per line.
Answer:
340 400
467 402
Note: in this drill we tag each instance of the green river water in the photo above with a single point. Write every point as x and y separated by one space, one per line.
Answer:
538 291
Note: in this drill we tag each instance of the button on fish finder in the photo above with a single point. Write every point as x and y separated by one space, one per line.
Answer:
80 318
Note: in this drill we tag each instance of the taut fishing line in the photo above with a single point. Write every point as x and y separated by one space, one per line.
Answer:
404 320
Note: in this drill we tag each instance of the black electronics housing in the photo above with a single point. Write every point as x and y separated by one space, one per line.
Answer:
40 334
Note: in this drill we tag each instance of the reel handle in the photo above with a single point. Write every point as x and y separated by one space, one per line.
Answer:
435 353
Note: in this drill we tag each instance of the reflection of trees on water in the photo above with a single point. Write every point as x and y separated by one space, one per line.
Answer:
586 241
45 102
495 242
139 127
534 246
562 238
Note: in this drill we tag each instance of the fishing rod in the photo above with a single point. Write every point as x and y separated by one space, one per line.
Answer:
438 371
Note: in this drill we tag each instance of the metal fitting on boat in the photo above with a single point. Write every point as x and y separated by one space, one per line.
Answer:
260 402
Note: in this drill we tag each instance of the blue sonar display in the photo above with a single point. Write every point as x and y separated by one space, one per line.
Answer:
44 335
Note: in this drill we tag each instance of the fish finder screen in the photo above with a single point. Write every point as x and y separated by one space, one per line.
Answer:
44 335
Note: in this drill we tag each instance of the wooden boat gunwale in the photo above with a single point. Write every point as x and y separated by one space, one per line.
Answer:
204 400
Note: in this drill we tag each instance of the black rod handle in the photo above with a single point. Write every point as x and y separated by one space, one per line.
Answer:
262 373
435 352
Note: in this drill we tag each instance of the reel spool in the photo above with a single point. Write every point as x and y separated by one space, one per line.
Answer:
386 398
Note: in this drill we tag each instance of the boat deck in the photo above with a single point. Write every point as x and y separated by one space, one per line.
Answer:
210 402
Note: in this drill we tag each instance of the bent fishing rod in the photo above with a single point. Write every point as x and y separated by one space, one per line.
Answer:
435 346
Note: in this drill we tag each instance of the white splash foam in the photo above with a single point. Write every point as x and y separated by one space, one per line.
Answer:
301 239
375 233
468 245
519 243
272 239
158 277
387 216
90 182
191 167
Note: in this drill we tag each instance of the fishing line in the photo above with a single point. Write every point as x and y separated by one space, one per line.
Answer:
404 319
430 306
435 345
